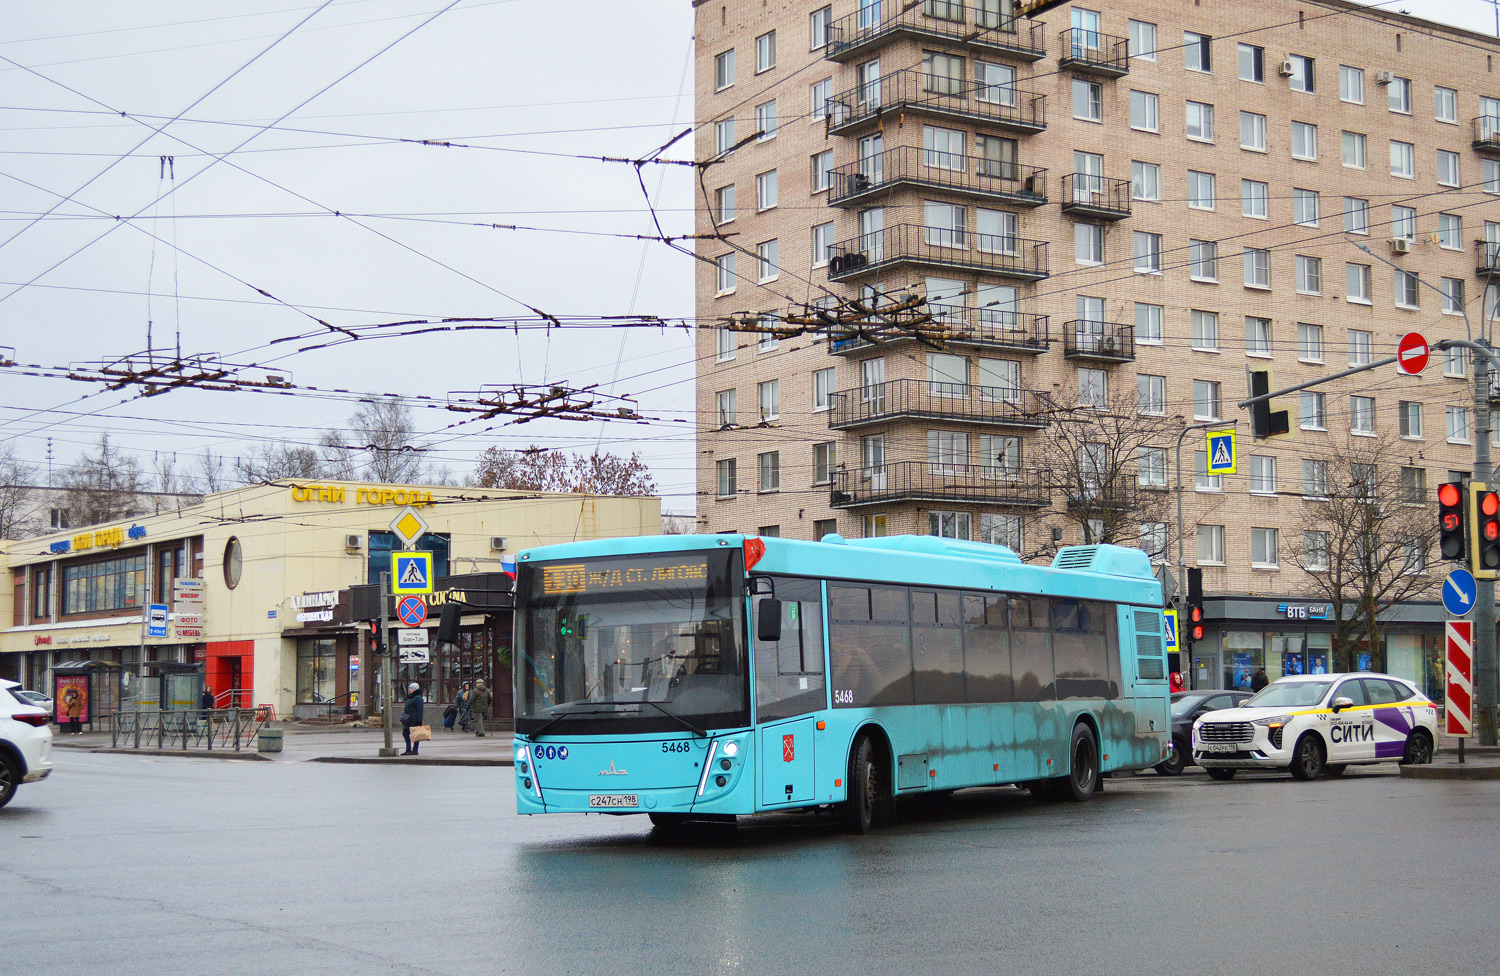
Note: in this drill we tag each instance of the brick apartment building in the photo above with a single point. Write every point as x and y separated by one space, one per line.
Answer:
1121 208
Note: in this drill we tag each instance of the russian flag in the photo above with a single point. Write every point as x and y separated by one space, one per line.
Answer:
508 567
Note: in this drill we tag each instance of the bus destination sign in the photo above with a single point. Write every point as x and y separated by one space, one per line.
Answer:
611 577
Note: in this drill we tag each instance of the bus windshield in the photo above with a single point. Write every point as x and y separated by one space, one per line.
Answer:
645 643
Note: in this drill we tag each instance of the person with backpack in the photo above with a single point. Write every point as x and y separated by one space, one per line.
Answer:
479 705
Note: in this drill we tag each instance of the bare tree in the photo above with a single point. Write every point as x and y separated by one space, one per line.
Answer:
211 475
167 480
104 486
1109 463
382 445
279 462
676 523
1366 533
17 495
540 469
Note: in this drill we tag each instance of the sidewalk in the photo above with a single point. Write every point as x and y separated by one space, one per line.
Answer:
1480 762
346 744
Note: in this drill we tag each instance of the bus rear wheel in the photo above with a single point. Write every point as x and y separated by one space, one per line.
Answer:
1083 772
858 813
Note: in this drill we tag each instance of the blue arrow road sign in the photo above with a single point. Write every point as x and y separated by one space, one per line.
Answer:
1459 592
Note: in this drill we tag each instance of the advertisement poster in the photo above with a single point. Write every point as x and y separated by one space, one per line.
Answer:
1291 663
1317 662
72 697
1366 663
1241 669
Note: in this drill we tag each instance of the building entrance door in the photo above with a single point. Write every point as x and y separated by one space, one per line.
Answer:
1206 670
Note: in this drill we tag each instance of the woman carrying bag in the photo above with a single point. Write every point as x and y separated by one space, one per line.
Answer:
413 728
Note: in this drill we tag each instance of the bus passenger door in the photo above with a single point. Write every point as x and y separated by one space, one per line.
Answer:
786 762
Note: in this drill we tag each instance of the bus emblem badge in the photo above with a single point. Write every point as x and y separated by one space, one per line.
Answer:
611 771
788 748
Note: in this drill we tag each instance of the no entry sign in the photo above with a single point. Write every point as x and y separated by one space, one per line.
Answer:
1460 677
1411 353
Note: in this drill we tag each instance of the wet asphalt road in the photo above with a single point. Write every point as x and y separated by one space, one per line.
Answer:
123 864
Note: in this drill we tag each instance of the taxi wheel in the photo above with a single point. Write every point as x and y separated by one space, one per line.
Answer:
1221 774
1418 749
1176 760
10 778
1334 769
1308 757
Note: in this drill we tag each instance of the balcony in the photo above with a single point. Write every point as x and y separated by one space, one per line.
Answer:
920 399
1487 134
923 481
996 329
1107 342
910 167
1124 495
1090 52
1095 197
955 24
1486 257
937 247
916 92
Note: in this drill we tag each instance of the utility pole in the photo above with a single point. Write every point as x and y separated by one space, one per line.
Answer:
387 668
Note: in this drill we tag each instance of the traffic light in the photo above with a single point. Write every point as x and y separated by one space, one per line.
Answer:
1264 423
1484 509
1191 625
1451 523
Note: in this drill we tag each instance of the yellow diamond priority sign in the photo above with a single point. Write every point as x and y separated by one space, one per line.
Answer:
409 526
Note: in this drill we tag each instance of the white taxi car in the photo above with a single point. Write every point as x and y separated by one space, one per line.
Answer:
25 742
1316 723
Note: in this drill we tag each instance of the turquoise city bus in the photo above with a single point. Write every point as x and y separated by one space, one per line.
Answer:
707 677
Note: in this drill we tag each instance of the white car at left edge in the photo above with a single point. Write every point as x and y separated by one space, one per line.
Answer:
25 742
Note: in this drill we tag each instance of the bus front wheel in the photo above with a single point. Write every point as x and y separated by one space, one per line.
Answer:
857 813
1083 773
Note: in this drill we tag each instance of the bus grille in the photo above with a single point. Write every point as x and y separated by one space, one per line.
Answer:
1226 732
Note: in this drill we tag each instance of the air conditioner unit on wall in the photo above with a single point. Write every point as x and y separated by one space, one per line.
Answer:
1286 68
1383 77
354 543
1400 245
497 543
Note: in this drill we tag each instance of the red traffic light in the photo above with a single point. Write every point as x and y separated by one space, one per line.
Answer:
1448 495
1489 503
1492 531
1197 632
1196 614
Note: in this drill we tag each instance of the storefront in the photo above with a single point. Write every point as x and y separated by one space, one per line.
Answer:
1243 635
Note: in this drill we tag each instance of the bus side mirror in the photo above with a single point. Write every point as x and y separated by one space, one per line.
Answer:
768 620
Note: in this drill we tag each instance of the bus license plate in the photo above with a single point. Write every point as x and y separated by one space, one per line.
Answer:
611 800
1219 747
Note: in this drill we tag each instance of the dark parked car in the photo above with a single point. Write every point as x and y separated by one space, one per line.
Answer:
1186 707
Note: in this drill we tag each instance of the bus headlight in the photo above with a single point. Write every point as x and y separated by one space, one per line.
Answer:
731 748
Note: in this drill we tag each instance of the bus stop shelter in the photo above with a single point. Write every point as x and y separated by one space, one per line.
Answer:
85 691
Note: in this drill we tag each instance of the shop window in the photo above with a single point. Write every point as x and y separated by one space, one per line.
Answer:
113 584
316 667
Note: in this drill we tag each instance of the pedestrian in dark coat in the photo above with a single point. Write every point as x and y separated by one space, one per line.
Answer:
412 715
1259 680
479 705
464 714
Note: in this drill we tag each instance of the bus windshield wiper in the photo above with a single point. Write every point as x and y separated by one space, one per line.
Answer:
677 718
558 718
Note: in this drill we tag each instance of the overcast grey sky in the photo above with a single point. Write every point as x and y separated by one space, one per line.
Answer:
411 238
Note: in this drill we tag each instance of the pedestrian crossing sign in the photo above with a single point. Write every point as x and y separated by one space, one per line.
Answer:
1221 452
411 573
1169 630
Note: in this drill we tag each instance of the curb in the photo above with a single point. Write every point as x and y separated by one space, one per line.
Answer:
181 754
413 761
1453 771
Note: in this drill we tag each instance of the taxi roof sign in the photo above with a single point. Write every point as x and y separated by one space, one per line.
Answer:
411 573
409 526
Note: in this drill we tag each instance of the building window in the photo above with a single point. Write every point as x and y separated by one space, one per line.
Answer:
1147 252
726 478
1453 296
1001 530
1148 323
873 526
1309 343
1351 84
1203 481
1145 181
1309 275
1211 545
825 527
724 204
1200 121
947 452
770 471
1253 131
1151 394
1093 388
724 264
943 74
1142 40
1410 414
1458 424
1254 198
41 594
1398 95
1314 479
1205 330
725 345
824 461
1404 222
768 265
1414 485
822 389
1353 144
1407 295
724 70
948 525
1252 63
1257 268
1303 77
943 148
1304 140
1197 53
1361 343
1305 207
1314 411
1445 104
1356 215
1361 415
768 340
1450 231
113 584
727 412
1143 111
946 224
58 518
769 531
1206 403
999 456
1088 243
1262 474
765 52
723 136
770 399
822 170
1315 551
1203 260
817 27
1489 175
822 244
1357 283
766 190
1152 467
1257 336
1200 190
1263 548
1447 168
1403 160
1457 363
1088 100
765 120
1154 541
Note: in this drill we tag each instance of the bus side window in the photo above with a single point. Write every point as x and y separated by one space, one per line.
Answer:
1031 648
987 648
1079 650
870 652
937 647
789 672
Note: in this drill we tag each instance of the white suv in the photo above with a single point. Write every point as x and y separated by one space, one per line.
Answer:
1316 723
25 742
